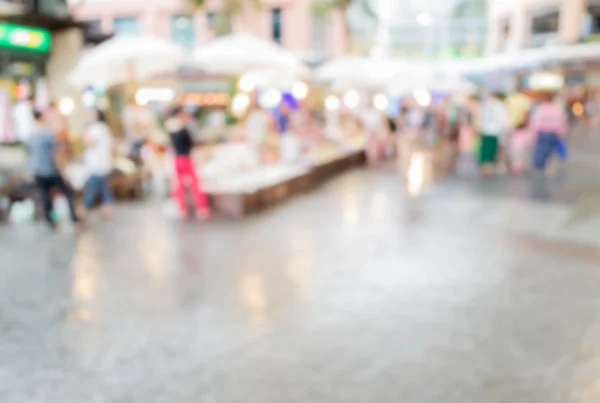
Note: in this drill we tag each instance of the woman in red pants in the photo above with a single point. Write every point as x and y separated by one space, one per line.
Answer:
185 173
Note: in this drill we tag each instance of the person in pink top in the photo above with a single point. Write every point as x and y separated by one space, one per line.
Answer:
549 127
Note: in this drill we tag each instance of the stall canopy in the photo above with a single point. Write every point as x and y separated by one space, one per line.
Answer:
237 54
124 59
533 58
357 71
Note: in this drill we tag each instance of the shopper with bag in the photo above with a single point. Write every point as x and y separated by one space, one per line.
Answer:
46 158
549 126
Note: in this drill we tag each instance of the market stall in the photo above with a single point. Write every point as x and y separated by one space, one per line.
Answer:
238 183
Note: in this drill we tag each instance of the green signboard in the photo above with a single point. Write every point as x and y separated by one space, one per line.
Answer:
26 38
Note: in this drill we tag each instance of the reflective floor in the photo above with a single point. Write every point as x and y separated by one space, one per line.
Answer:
471 292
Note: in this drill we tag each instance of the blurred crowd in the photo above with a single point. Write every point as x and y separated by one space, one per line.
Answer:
495 133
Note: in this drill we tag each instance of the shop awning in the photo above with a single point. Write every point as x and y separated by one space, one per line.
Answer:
48 22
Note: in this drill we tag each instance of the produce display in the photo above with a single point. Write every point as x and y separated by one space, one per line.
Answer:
253 180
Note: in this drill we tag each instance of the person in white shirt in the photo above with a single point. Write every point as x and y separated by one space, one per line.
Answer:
24 122
257 126
495 125
98 163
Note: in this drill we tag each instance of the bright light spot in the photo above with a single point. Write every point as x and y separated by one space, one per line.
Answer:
415 174
351 99
88 99
247 83
239 103
300 90
380 101
424 19
546 81
145 95
422 96
270 99
332 103
66 106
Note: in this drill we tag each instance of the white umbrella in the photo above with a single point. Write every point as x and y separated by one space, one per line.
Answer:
359 70
443 80
265 78
237 54
126 58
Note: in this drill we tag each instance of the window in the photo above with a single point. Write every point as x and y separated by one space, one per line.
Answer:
591 23
126 26
8 7
276 25
211 19
57 8
545 23
505 34
219 23
93 27
182 31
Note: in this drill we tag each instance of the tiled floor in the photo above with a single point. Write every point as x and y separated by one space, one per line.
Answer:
354 293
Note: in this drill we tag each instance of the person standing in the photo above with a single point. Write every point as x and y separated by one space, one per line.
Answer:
185 173
44 151
98 164
372 122
495 124
469 132
24 122
549 125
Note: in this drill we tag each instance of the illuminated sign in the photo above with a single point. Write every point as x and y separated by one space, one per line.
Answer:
545 81
27 38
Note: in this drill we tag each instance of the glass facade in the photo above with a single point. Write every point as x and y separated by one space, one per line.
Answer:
183 31
126 26
55 8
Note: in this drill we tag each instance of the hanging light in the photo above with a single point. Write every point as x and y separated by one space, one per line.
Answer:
381 102
424 19
351 99
422 96
66 106
300 90
332 103
239 103
247 83
269 99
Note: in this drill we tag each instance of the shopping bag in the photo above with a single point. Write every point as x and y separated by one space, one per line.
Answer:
561 149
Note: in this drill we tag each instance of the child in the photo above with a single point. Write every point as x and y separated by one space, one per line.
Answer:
519 143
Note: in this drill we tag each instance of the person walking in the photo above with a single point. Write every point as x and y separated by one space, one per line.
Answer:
549 125
495 124
185 173
98 163
44 152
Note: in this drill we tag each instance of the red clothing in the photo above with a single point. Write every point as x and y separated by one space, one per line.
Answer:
185 174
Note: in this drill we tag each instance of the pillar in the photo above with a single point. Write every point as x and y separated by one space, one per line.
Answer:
66 49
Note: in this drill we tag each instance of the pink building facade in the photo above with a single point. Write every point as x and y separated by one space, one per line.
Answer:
287 21
521 24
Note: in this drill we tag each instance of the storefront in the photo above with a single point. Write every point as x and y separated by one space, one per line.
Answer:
24 52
